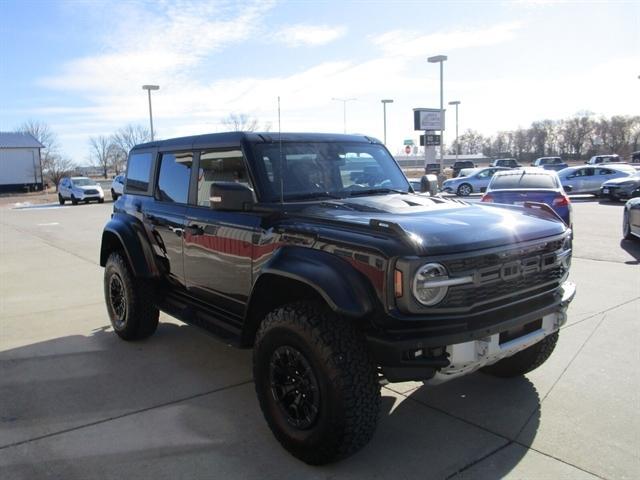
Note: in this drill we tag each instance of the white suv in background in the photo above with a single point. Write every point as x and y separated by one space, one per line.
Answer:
117 186
79 189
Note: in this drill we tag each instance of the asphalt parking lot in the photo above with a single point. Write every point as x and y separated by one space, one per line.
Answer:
77 403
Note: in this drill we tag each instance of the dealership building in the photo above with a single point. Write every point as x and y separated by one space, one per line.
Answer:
20 162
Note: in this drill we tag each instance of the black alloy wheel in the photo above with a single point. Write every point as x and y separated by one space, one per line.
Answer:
294 387
118 300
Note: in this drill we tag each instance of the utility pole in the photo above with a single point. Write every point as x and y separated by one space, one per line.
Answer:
148 88
344 110
384 114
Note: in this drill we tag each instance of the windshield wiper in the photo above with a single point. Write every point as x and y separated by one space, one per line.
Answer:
311 195
373 191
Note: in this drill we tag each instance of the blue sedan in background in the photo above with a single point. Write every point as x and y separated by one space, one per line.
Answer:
515 187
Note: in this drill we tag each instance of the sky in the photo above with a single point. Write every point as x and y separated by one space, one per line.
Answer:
79 65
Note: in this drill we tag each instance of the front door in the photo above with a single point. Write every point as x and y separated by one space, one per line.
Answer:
218 245
166 215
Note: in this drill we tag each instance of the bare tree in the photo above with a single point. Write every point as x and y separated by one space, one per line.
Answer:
100 152
131 135
57 167
241 122
43 134
470 142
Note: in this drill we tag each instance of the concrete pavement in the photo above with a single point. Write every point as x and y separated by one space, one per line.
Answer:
76 402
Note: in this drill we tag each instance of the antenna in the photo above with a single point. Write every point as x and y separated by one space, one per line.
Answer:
281 162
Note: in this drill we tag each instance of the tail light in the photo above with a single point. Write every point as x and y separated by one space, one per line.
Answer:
487 197
561 201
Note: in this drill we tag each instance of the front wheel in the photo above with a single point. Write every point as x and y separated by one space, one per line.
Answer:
60 199
101 200
114 195
74 200
129 301
465 190
525 361
316 383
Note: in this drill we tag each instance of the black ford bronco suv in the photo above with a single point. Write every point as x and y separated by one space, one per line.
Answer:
314 250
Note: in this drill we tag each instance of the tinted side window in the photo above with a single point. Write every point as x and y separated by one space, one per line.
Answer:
138 172
173 180
219 166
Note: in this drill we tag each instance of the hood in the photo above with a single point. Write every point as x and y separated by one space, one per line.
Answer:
434 225
88 187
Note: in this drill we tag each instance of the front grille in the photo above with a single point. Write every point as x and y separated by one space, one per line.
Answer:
91 192
512 273
482 261
469 295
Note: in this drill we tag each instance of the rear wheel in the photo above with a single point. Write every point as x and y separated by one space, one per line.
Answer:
525 361
101 200
316 383
465 190
129 301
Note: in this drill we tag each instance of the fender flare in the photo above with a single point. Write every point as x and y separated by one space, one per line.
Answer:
344 289
127 233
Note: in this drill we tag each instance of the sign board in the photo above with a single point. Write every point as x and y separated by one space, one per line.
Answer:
432 140
408 142
428 119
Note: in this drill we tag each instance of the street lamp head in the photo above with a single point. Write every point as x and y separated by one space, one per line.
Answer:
151 87
437 59
455 102
387 101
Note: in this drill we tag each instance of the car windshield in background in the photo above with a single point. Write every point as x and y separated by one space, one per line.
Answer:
315 170
523 180
83 182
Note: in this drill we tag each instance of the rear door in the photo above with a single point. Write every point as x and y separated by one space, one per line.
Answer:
218 245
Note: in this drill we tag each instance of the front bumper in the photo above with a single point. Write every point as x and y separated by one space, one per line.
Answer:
436 358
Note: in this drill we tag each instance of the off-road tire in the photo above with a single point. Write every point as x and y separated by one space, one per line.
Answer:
349 391
74 200
524 361
140 318
461 191
60 199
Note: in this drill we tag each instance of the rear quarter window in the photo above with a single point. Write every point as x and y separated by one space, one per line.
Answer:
138 173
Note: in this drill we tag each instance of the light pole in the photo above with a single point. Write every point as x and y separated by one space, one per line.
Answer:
148 88
456 103
384 114
440 59
344 109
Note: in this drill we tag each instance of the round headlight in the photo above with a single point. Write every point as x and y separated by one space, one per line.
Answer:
428 274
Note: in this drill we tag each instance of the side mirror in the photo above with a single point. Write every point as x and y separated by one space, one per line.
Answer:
230 196
567 188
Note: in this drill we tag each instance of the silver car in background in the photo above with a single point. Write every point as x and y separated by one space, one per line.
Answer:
475 181
589 179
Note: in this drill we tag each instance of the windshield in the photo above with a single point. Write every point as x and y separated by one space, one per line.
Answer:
523 180
314 170
82 182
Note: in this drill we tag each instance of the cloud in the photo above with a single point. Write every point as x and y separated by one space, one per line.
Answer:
163 50
415 44
309 35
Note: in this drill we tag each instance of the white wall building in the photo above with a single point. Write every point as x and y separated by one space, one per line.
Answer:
20 162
